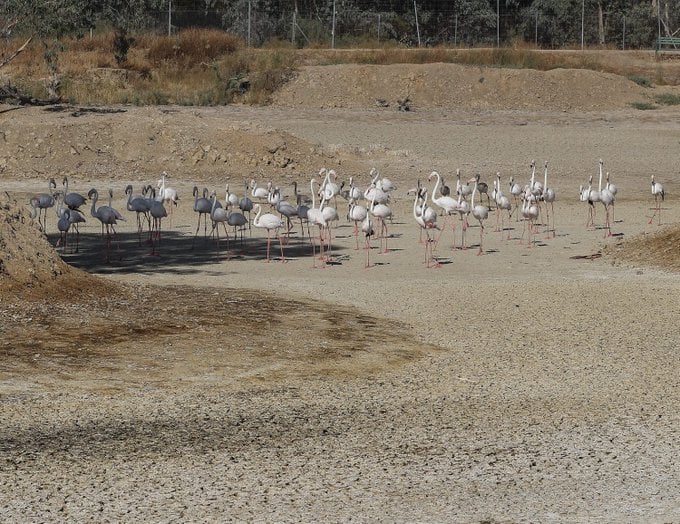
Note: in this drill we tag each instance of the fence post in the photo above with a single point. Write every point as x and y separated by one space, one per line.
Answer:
333 28
292 38
455 32
498 23
583 16
415 9
623 45
248 23
536 32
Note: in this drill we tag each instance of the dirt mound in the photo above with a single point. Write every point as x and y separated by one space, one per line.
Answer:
454 86
26 258
661 249
196 143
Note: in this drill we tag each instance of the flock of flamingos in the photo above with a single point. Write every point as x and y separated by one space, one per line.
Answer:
434 211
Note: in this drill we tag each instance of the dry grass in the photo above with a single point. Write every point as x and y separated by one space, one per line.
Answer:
211 67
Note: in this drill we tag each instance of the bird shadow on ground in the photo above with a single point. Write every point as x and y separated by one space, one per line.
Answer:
175 252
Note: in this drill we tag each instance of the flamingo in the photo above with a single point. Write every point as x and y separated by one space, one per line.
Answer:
448 204
530 212
315 216
259 193
218 215
158 213
373 192
141 206
357 213
42 202
463 212
426 218
516 192
480 212
203 207
502 204
367 230
329 187
607 199
108 217
167 195
657 191
287 210
381 212
613 190
68 219
462 190
270 222
591 196
63 225
548 196
237 220
483 189
330 215
72 200
246 206
232 198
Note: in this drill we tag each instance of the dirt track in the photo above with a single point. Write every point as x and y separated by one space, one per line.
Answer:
528 384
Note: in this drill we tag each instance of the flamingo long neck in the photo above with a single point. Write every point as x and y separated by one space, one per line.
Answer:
375 178
545 176
311 187
533 175
599 185
436 184
256 220
472 198
95 197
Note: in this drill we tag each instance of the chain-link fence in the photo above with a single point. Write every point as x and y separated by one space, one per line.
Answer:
636 29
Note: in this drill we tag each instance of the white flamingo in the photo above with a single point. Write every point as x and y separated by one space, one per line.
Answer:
315 216
426 218
592 197
357 214
613 190
607 199
548 196
448 204
259 193
480 212
530 213
167 195
381 212
367 230
658 193
516 192
270 222
330 215
502 204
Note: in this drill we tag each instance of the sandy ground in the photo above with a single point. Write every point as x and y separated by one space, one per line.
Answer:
528 384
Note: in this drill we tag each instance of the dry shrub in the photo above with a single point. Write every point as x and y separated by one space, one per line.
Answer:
192 47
